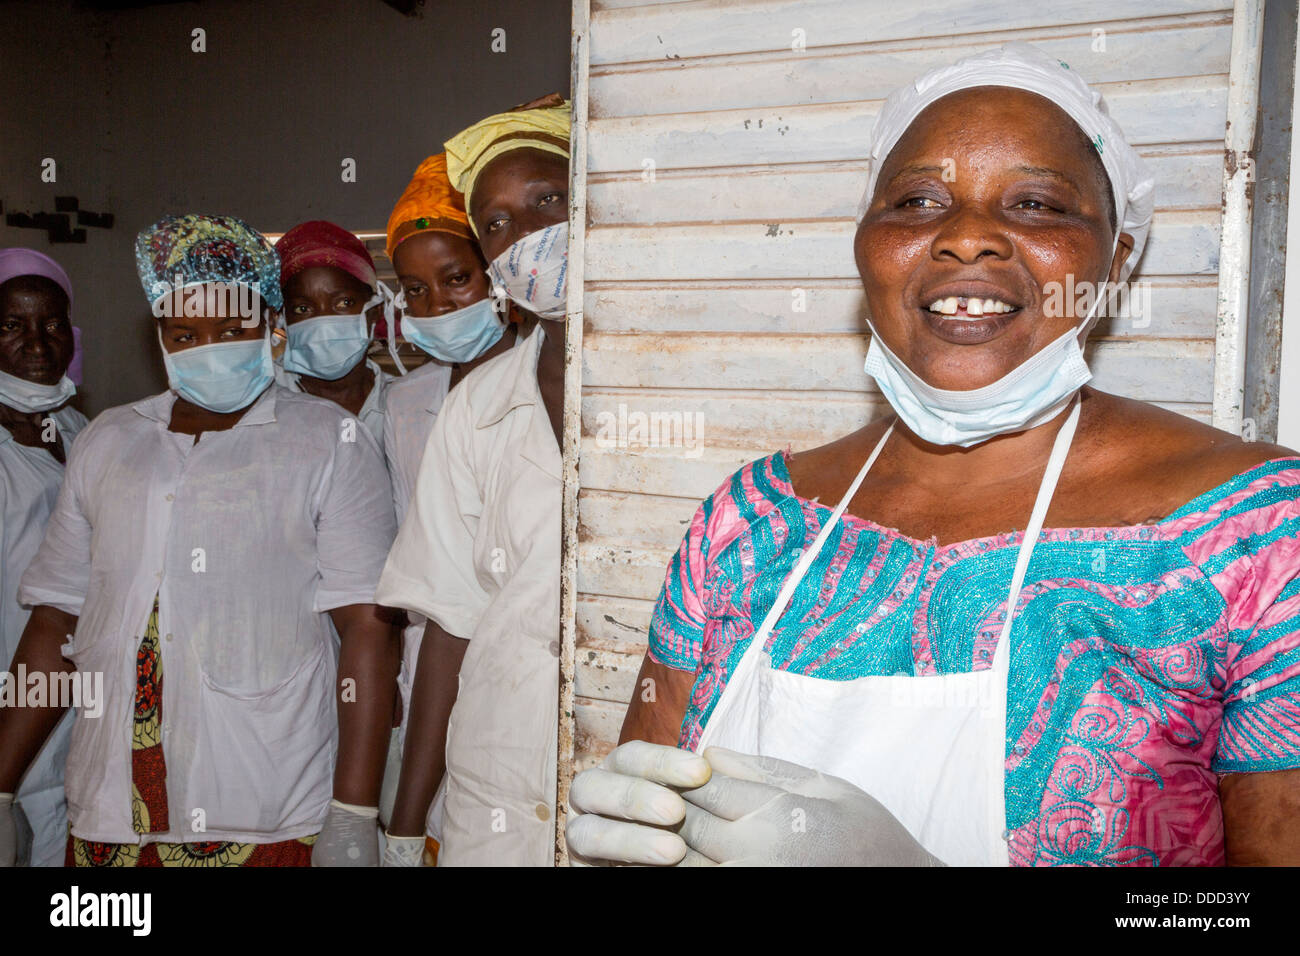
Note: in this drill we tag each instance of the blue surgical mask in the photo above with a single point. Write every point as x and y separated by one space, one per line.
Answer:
221 377
1032 393
327 346
456 336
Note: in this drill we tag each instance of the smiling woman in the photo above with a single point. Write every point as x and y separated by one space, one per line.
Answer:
1118 682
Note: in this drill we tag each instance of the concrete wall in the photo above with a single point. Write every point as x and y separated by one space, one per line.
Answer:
257 126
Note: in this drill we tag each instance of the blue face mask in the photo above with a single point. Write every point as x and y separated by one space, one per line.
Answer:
1032 393
221 377
327 346
456 336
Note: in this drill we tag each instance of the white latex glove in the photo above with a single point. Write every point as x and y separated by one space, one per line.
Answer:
403 851
632 784
15 833
758 811
350 837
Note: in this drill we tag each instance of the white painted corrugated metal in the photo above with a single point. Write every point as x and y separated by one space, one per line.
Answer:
756 149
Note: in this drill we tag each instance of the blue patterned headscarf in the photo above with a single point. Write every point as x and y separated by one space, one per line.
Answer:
181 251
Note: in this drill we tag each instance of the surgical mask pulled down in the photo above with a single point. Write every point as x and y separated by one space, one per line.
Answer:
1032 393
27 396
328 346
221 377
534 271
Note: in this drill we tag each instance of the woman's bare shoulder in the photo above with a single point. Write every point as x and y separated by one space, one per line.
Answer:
1155 445
813 467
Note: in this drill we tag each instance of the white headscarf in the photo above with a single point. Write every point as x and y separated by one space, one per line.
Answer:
1024 67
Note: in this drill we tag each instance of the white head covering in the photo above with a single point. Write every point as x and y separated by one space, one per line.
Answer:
1024 67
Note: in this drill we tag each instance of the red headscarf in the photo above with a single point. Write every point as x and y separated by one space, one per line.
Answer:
321 243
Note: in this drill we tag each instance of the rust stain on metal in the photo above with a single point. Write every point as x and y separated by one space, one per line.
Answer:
610 619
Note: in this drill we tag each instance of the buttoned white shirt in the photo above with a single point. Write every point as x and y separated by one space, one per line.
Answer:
411 406
29 484
372 409
248 536
479 552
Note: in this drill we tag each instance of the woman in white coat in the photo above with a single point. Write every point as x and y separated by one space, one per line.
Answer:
201 544
478 553
37 427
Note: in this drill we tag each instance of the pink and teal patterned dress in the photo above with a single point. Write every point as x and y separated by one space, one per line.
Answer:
1146 661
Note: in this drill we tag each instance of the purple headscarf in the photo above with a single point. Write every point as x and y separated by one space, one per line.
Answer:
28 262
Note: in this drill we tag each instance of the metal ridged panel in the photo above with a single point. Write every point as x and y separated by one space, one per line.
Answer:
724 170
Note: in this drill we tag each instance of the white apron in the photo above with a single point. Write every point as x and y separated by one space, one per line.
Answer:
931 749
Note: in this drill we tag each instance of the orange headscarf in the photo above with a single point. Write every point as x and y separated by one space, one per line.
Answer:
428 204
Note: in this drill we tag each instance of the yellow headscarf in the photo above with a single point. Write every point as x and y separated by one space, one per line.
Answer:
429 203
542 124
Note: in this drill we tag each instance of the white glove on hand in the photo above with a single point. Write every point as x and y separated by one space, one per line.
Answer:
403 851
350 837
759 811
632 784
15 833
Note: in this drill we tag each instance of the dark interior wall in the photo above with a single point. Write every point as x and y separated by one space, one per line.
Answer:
257 126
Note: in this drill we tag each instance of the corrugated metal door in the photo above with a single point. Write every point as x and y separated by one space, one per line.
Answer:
725 157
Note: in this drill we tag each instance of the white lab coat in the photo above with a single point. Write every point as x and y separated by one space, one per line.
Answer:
29 485
479 552
372 409
411 406
248 537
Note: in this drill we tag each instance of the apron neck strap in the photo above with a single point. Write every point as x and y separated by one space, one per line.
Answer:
1060 448
810 553
1047 488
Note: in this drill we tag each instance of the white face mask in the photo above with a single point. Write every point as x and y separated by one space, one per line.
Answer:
1032 393
28 396
534 271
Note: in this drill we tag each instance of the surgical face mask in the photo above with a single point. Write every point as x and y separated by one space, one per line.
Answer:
1034 392
28 396
456 336
327 346
221 377
534 271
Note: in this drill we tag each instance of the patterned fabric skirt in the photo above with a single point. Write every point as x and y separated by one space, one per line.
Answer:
149 794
